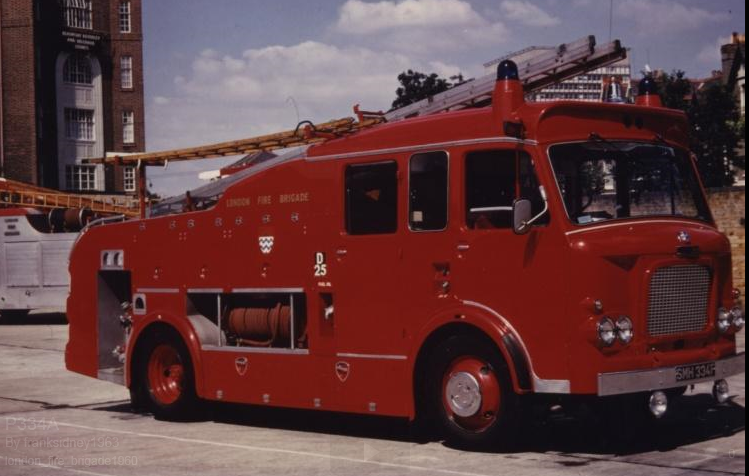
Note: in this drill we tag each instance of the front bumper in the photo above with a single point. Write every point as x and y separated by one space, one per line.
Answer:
619 383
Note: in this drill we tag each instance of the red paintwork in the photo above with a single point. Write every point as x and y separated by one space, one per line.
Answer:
13 212
538 287
651 100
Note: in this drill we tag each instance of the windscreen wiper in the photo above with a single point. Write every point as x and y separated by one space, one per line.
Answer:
594 136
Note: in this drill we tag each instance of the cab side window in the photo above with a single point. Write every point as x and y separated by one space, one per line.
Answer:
494 180
372 198
427 189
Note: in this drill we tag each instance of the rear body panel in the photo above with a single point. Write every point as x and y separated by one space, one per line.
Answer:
35 272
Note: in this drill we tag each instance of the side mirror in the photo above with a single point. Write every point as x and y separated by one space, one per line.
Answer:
522 213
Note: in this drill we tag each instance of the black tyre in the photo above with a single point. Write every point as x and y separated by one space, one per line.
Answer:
470 394
164 382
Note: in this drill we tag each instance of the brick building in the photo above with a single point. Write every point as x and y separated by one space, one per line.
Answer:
71 82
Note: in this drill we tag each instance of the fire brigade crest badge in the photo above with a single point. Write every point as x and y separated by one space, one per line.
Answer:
266 244
342 371
241 365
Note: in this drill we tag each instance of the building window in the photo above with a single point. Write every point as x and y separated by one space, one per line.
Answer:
79 124
372 198
78 14
125 21
77 69
126 72
129 179
80 177
427 192
128 127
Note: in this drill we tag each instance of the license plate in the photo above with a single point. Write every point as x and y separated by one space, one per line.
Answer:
686 373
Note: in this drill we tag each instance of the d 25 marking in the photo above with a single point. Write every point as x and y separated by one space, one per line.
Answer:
321 265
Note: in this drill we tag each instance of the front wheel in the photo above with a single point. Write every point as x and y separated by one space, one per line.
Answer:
165 380
471 393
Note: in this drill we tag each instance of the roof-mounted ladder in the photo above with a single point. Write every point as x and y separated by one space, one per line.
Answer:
536 72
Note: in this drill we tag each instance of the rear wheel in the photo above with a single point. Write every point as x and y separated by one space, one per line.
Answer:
165 381
471 393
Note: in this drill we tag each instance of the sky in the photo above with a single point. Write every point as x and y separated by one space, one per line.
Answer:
229 69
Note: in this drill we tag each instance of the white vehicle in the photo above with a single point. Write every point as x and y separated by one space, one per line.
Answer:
33 262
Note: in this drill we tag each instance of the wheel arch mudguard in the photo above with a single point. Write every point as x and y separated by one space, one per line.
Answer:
469 315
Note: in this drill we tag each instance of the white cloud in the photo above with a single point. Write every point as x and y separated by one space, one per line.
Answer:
420 27
526 13
358 17
710 55
666 16
225 97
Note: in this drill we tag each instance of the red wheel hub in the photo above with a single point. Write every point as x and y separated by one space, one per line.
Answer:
471 394
166 374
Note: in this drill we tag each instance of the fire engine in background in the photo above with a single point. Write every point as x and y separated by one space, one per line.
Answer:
444 267
35 245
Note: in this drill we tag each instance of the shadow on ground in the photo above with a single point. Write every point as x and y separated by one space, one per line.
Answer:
25 319
692 419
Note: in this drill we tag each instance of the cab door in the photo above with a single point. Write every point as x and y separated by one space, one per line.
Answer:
368 334
520 277
428 248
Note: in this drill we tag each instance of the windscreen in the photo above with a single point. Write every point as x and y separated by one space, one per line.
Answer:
604 180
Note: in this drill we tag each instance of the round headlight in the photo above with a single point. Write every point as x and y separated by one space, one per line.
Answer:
738 318
607 331
724 320
625 330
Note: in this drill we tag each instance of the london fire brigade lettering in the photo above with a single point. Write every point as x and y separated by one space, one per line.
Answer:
265 200
239 202
294 198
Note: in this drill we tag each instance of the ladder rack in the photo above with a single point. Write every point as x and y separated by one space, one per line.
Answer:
19 194
537 72
312 134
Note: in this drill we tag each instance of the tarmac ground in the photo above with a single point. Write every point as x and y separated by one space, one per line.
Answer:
56 422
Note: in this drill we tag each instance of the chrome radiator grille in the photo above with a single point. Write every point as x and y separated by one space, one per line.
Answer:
679 300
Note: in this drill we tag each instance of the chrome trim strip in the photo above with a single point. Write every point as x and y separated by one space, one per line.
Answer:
254 350
551 386
618 383
158 290
635 221
267 290
205 291
409 148
371 356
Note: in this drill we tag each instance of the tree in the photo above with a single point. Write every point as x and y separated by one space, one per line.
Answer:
716 126
416 86
677 91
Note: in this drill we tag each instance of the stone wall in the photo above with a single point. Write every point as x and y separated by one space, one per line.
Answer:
728 206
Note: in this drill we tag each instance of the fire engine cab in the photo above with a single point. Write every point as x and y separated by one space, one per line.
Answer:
443 267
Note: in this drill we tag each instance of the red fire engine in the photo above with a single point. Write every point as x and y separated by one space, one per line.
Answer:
444 266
